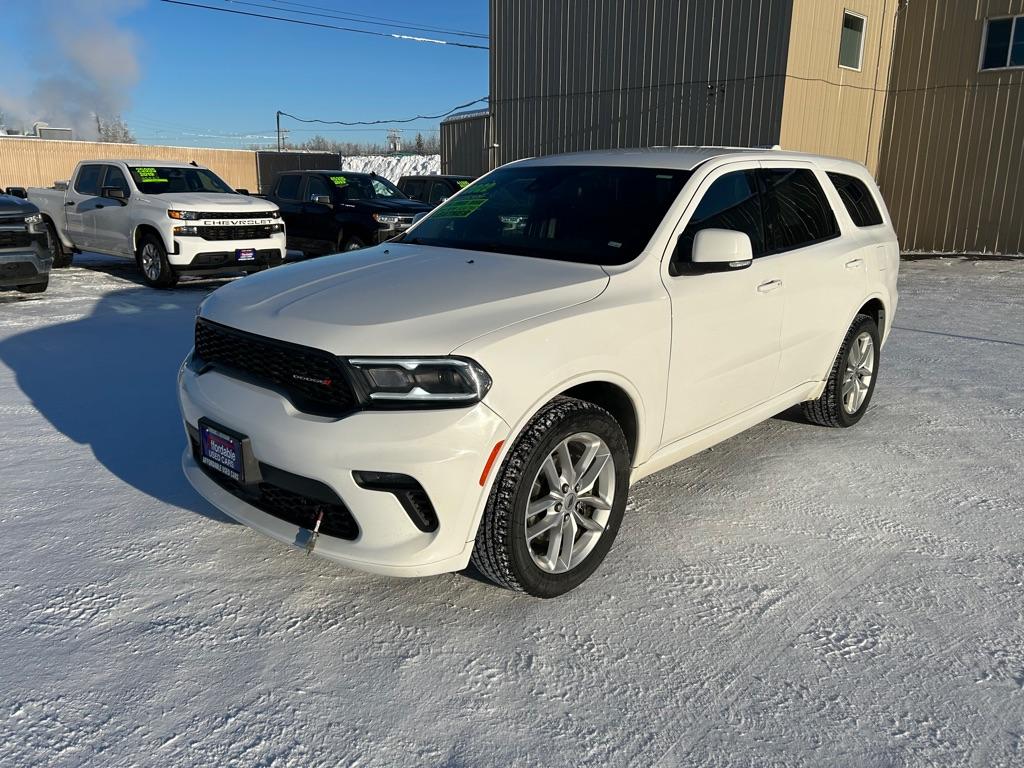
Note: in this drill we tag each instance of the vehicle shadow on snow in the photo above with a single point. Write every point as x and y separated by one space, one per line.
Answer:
109 380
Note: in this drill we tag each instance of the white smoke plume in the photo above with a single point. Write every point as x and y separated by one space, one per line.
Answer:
86 65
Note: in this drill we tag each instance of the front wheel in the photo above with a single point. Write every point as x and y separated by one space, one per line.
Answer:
557 502
354 243
153 263
851 381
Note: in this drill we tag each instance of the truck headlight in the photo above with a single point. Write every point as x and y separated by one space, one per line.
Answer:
34 222
437 382
183 215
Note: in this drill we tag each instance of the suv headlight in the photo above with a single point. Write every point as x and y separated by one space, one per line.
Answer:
426 382
183 215
34 222
388 219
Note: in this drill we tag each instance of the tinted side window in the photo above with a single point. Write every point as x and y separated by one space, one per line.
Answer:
317 186
439 191
115 178
415 188
731 202
88 180
857 199
797 212
288 186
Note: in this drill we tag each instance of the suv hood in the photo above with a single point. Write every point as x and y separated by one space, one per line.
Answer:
400 299
211 201
16 205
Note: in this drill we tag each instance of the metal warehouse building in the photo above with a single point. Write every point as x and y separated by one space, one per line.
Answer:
928 94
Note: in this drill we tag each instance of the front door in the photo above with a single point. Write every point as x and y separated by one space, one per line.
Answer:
725 325
110 222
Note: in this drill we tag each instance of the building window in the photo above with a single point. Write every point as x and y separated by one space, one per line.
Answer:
1004 43
851 41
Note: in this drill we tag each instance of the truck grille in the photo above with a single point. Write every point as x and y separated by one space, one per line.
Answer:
261 232
313 380
229 215
14 239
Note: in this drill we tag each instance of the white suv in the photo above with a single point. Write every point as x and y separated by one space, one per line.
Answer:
487 386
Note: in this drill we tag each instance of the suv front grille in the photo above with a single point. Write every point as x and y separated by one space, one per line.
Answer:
313 380
261 232
14 239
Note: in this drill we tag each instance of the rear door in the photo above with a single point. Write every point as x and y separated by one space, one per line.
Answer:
110 218
725 325
824 278
80 200
288 196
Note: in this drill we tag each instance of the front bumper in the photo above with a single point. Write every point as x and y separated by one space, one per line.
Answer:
25 265
195 255
444 450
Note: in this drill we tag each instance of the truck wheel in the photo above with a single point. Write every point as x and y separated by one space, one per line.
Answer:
851 382
61 256
354 243
153 264
557 502
34 287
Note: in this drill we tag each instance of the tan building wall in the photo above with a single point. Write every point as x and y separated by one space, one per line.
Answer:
953 160
40 162
828 109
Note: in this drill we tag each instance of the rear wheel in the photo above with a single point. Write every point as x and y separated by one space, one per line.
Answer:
851 381
61 256
557 502
153 263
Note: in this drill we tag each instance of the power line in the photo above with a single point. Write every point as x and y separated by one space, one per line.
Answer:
389 35
358 18
382 122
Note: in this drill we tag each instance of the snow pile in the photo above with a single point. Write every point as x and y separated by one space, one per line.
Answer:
393 167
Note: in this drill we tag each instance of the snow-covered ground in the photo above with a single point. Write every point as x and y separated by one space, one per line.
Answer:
796 596
395 167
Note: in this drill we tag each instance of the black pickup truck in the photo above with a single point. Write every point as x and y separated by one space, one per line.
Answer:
332 211
25 259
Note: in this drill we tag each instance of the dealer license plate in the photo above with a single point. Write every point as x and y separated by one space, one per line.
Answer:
245 254
222 452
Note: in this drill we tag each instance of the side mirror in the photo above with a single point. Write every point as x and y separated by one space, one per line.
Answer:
242 191
114 193
721 250
18 192
321 199
418 217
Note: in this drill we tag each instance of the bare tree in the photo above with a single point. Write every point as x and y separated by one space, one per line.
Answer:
114 130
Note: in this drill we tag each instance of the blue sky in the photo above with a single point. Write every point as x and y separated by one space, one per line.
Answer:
198 77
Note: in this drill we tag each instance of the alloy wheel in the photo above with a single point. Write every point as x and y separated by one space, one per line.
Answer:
570 503
150 261
860 370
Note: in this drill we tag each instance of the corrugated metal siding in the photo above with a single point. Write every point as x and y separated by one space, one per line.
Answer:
464 142
40 162
572 75
830 110
952 167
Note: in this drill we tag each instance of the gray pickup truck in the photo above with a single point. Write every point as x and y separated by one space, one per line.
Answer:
25 258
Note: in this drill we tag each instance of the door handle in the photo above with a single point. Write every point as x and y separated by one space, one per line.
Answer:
855 264
69 202
769 286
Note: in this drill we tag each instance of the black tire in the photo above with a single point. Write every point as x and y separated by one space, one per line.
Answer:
353 243
34 287
829 410
163 275
61 256
500 552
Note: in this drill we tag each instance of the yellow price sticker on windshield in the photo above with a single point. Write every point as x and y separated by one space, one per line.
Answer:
148 174
339 181
462 183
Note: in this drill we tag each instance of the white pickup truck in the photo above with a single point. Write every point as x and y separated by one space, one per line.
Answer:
173 218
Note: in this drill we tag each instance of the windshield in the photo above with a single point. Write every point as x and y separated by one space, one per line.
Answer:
588 214
159 181
365 188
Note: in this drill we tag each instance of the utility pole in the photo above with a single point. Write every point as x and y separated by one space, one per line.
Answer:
278 130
